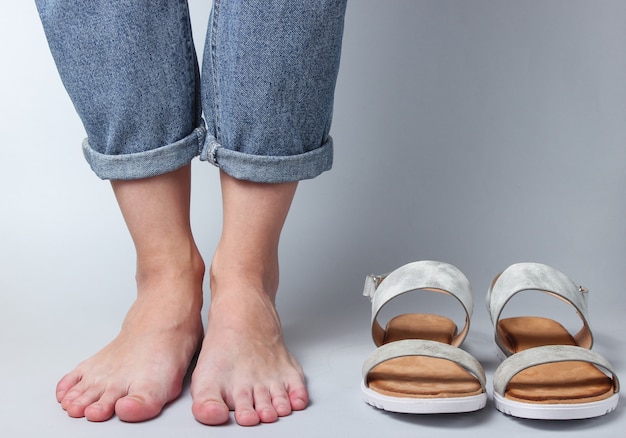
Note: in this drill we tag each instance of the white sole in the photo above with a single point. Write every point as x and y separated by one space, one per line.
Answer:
408 405
572 411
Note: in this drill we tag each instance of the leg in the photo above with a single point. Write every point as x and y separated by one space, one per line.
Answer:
268 82
143 367
244 364
130 69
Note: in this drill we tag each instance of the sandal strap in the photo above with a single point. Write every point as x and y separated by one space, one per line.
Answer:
431 275
518 362
536 276
421 347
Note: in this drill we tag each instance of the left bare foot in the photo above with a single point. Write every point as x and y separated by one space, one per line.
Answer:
244 364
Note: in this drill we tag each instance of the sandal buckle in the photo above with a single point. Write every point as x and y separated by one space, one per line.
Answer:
371 284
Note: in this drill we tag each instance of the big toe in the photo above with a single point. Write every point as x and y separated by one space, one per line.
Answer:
211 412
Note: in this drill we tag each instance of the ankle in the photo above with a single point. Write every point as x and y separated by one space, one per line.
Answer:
181 259
245 274
171 282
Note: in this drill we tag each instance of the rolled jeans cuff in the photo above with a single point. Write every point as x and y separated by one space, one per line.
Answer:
148 163
269 169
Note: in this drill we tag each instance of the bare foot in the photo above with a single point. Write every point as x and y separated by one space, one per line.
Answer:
143 368
244 365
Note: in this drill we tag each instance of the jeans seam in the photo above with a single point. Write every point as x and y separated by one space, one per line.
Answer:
190 52
215 75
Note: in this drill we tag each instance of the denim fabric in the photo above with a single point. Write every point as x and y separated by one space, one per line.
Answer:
267 86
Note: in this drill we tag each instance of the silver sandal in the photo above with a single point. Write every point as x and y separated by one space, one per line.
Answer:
418 367
548 372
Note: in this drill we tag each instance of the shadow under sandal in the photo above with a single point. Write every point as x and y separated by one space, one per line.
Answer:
418 367
550 374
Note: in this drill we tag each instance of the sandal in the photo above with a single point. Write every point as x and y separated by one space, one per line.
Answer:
418 367
550 374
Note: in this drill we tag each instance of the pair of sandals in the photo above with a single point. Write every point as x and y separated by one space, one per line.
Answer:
546 373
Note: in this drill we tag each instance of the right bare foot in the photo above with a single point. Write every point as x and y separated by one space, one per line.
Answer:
143 368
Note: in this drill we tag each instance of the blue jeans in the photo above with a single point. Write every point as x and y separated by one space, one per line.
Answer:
260 111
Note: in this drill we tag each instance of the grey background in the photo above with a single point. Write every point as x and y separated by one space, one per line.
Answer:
481 133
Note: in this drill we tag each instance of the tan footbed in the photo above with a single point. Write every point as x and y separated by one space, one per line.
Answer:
561 382
420 376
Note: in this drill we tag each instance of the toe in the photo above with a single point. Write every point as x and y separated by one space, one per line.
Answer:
70 396
281 403
299 398
211 412
74 408
263 406
65 385
245 414
102 410
210 409
135 408
75 403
